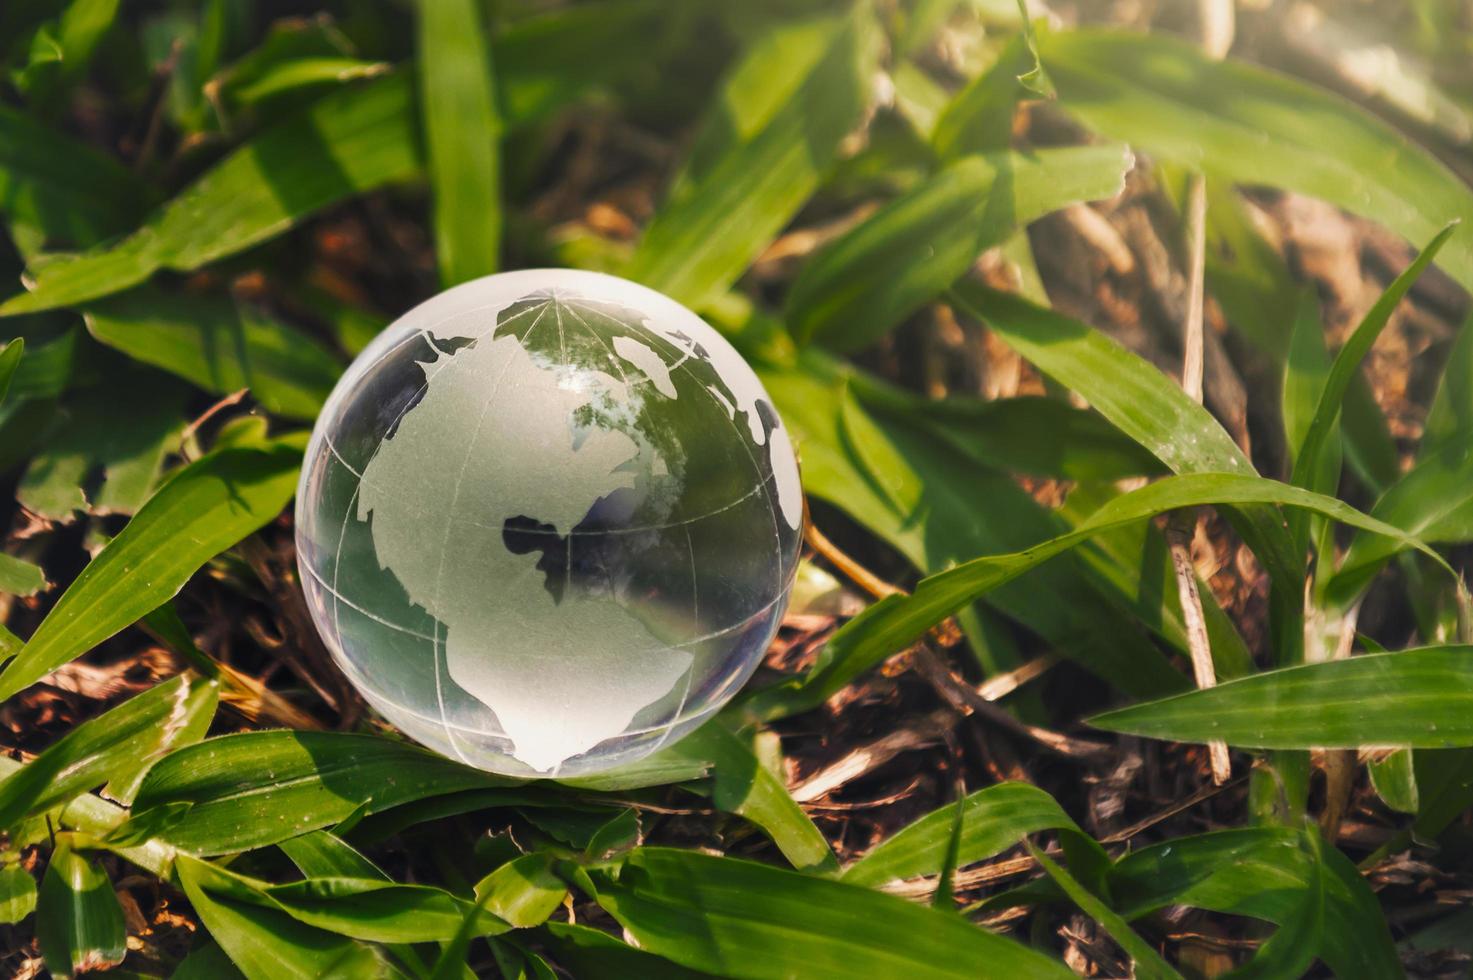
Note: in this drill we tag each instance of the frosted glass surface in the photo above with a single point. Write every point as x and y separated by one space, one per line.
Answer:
548 522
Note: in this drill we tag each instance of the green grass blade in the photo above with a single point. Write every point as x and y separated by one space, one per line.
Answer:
1148 963
17 894
128 737
894 623
993 820
462 129
594 955
742 785
1422 698
238 792
1170 98
722 214
219 345
203 509
522 892
9 360
911 488
19 577
79 923
67 192
1307 460
354 140
267 944
878 273
712 913
1263 873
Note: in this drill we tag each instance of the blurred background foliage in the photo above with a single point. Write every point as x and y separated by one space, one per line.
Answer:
1124 345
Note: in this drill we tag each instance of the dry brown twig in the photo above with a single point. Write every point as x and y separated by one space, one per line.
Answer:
1216 18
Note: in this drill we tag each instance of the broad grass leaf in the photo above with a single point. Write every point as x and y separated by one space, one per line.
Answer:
66 48
993 820
19 577
741 784
1422 698
66 192
322 854
203 509
875 275
79 923
97 459
1395 781
1253 285
1434 499
266 943
594 955
979 118
256 788
1151 409
1290 951
369 909
219 345
895 622
912 489
737 918
1168 97
1307 460
124 738
1263 873
1147 963
352 141
10 356
1141 401
462 130
522 892
17 894
548 60
722 213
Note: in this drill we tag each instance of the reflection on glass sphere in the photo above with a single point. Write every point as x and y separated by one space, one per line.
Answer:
548 521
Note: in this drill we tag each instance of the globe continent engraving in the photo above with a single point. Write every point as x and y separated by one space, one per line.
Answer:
548 522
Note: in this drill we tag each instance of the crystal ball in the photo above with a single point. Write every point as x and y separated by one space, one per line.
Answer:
548 522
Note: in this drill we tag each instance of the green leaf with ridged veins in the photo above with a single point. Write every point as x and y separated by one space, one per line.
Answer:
79 922
717 221
17 894
875 275
462 130
134 733
203 509
715 913
895 622
267 944
1169 98
1422 698
1148 963
1263 873
238 792
993 820
741 784
354 140
220 345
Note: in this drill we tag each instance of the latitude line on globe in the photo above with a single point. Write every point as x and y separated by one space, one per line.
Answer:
745 621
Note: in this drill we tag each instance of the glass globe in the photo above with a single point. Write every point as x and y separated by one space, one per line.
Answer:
548 521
